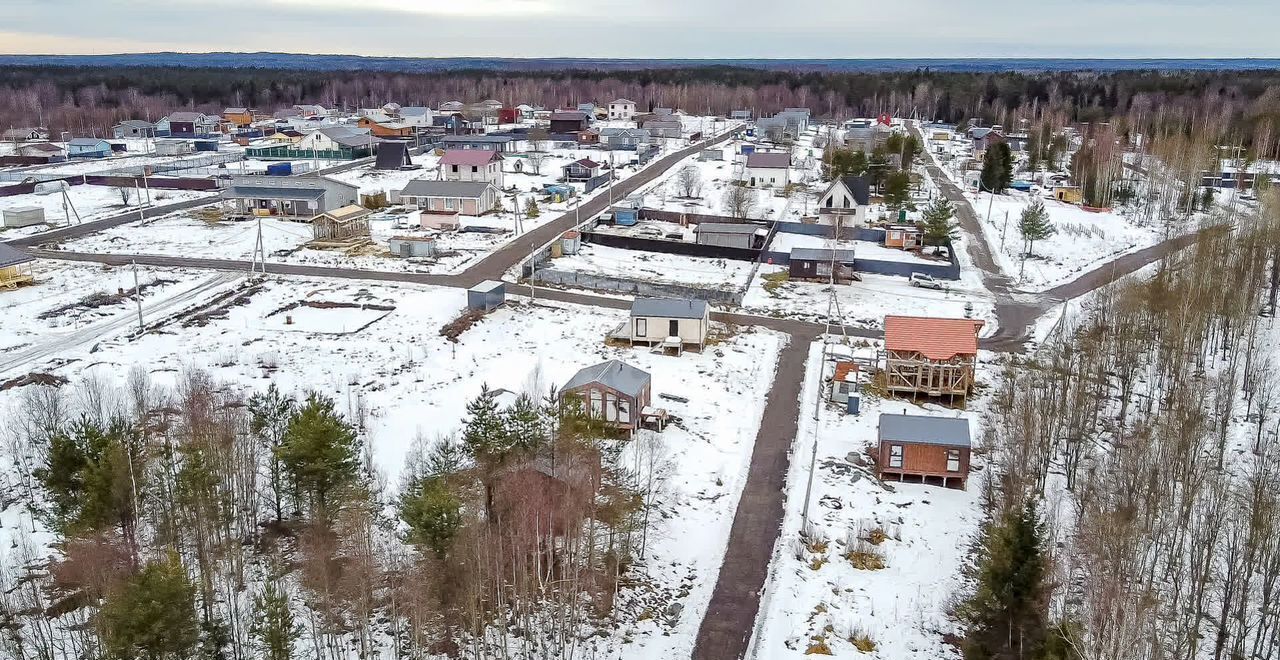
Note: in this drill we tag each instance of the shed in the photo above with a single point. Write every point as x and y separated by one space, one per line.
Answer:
673 323
817 264
906 237
23 216
173 147
570 242
487 295
844 381
613 391
392 156
412 246
746 236
15 267
925 449
1068 194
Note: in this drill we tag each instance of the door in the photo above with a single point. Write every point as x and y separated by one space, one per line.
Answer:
642 327
673 328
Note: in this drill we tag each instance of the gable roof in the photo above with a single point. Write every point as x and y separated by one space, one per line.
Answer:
46 147
234 111
859 187
392 155
346 213
11 256
936 339
430 188
476 139
135 123
769 159
728 228
822 254
469 157
614 374
187 116
622 101
671 308
568 115
86 142
347 136
925 430
585 162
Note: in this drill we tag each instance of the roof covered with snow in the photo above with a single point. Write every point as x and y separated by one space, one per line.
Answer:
936 339
614 374
924 430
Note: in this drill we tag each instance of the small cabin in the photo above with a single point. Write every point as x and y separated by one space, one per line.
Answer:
15 267
486 296
1068 194
822 264
612 391
341 224
674 323
903 237
924 449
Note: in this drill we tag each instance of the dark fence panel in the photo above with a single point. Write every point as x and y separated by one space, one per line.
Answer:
670 247
167 183
25 160
17 189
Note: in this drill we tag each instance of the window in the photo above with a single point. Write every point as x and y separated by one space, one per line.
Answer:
953 460
450 203
642 327
455 167
895 456
610 407
624 411
597 403
474 168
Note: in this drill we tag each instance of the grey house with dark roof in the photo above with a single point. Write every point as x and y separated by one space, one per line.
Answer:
674 323
924 449
293 196
612 391
822 264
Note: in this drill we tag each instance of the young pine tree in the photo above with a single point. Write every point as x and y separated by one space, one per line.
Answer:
152 615
432 511
897 190
269 414
1006 618
273 627
320 454
939 229
531 209
1034 226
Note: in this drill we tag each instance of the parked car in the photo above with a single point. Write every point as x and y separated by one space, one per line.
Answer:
925 281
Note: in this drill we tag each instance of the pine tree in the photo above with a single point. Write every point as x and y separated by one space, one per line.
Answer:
531 209
989 179
1034 225
152 615
273 628
320 453
939 229
897 190
1005 155
525 424
485 439
432 512
269 415
1006 617
91 474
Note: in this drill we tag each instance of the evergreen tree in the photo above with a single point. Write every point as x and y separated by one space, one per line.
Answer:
1006 617
1034 225
485 439
897 190
1206 198
152 616
858 163
525 425
320 453
269 415
432 512
531 209
989 179
939 229
91 473
273 627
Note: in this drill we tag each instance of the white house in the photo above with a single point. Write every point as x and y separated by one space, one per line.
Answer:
669 322
845 202
768 170
465 197
472 165
624 109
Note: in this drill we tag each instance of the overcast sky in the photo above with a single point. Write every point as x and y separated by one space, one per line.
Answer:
649 28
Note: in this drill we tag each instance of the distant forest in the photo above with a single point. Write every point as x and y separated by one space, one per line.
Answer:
91 99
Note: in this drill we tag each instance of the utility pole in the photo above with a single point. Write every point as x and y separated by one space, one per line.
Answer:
259 252
137 293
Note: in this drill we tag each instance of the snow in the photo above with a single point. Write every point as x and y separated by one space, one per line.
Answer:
903 607
91 202
784 242
656 266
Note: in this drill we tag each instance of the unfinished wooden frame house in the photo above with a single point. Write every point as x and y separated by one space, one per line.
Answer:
930 356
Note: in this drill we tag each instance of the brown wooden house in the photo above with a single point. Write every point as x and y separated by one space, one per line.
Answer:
613 391
924 449
930 356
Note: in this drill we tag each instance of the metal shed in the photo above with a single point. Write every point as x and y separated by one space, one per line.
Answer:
487 295
412 246
23 216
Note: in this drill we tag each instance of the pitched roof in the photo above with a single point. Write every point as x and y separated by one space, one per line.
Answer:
568 115
86 142
727 228
11 256
234 111
136 123
347 213
846 371
186 116
469 157
347 136
859 187
614 374
622 101
585 162
936 339
821 254
273 192
925 430
429 188
671 308
464 139
769 159
43 146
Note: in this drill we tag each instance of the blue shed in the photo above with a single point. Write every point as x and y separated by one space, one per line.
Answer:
88 148
1021 186
558 193
487 295
625 216
748 149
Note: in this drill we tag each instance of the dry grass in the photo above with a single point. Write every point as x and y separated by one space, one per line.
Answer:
774 281
818 647
865 557
862 641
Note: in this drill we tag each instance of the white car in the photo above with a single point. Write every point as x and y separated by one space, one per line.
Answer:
925 281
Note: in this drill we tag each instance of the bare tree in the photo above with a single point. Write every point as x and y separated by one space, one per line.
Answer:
739 201
689 182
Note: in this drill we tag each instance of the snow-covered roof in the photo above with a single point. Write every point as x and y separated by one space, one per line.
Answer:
614 374
670 308
924 430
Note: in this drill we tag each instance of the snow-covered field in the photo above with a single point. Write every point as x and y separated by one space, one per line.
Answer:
1082 241
90 202
784 242
866 303
815 595
656 267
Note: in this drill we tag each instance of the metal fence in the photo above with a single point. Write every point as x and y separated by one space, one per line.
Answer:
635 287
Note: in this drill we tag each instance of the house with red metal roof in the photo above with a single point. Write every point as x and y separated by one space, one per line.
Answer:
472 165
583 169
930 356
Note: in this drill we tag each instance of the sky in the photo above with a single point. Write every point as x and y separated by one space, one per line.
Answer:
649 28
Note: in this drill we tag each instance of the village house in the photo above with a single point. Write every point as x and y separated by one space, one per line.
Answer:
983 138
583 169
88 147
133 128
614 392
26 134
668 323
569 121
451 106
622 109
845 202
15 267
663 127
462 165
822 264
392 155
465 197
924 449
417 115
43 149
238 116
740 115
499 143
624 138
743 235
386 129
310 110
187 125
173 147
292 196
329 142
768 169
903 237
930 356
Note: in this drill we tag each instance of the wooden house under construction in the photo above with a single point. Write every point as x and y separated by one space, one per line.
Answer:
347 224
15 267
930 356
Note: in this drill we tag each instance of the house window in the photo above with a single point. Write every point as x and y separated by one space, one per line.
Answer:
610 407
642 327
953 460
597 403
450 203
895 456
624 410
454 168
474 169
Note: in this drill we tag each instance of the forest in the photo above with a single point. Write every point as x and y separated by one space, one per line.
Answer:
87 99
